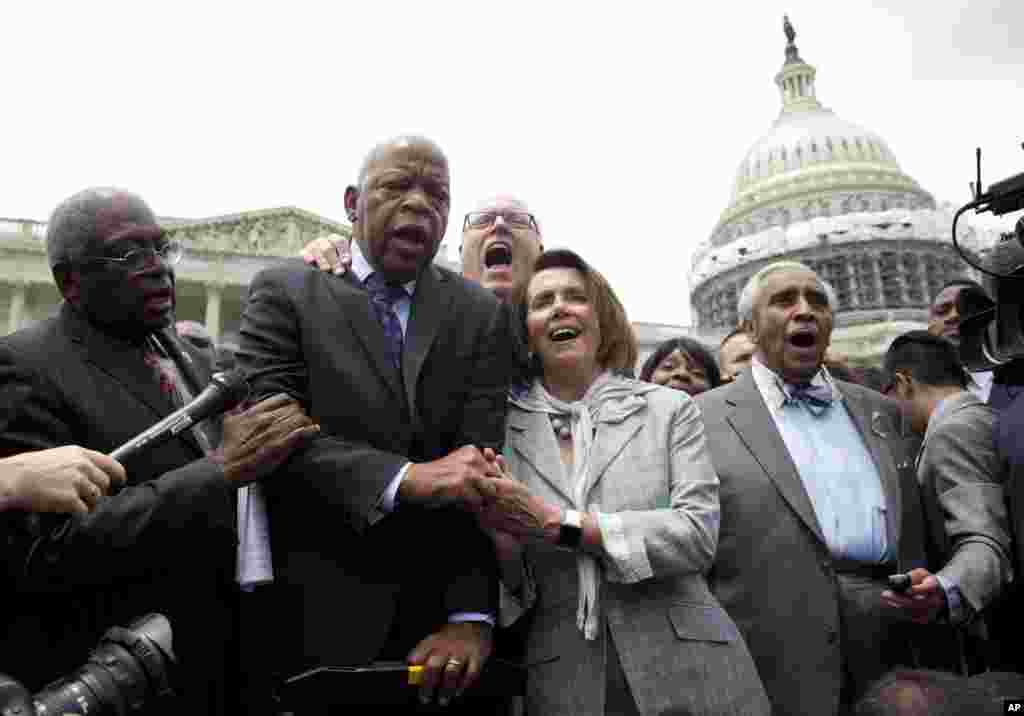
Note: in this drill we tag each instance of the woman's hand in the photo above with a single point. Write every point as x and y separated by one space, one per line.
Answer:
516 512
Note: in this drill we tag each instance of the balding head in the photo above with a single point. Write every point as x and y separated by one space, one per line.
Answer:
748 296
78 220
112 262
790 313
399 209
384 148
501 240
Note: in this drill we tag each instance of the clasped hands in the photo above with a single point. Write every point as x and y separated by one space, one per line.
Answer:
478 482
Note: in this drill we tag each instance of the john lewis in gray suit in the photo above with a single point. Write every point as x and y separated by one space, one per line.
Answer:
818 504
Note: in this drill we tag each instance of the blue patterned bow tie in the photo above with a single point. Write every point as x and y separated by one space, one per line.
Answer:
816 398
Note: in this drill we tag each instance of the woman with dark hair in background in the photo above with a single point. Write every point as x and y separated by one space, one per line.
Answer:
683 364
614 505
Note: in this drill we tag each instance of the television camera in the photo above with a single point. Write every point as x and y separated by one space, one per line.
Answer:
128 669
994 335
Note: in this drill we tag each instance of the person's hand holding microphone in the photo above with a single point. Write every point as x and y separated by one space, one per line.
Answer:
69 479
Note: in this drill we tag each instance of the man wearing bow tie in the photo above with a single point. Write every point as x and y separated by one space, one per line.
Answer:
819 504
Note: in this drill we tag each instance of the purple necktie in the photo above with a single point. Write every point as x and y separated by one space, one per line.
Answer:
816 398
384 297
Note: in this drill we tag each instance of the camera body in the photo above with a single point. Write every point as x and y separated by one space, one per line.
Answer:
995 336
128 668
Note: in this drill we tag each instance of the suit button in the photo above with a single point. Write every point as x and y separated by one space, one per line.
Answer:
826 566
832 636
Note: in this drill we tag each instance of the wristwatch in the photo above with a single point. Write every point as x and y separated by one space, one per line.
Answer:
570 532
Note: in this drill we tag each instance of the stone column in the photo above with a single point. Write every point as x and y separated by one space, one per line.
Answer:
18 291
849 268
212 321
879 271
923 279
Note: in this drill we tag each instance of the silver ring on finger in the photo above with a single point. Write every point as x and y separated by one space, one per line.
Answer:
453 664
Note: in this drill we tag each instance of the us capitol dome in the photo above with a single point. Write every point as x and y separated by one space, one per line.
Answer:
828 193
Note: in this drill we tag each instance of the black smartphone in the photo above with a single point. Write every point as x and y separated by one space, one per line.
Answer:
900 582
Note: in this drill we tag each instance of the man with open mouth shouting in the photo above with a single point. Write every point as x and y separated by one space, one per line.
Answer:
819 504
501 240
405 364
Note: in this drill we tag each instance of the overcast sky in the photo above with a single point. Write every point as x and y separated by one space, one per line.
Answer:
622 124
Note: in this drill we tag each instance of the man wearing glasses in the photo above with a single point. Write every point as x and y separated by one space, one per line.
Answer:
103 369
501 240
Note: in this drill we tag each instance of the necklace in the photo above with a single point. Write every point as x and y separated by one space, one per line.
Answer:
560 424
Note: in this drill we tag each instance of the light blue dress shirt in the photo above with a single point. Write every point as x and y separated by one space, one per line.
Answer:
836 469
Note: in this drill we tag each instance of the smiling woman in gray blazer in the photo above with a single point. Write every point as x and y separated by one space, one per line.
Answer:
614 510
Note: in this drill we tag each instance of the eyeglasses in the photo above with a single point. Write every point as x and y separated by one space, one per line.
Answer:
170 253
485 219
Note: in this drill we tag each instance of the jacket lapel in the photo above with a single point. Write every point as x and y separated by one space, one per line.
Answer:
956 403
876 436
610 441
430 305
358 311
755 426
122 361
195 379
530 435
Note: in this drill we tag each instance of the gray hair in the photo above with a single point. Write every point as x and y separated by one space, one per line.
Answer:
748 297
381 147
73 224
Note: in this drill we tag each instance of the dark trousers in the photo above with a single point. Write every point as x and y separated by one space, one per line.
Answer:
875 638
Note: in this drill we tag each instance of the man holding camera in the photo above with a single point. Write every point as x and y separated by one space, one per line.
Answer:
104 368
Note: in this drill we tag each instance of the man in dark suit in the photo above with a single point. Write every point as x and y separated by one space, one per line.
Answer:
106 367
376 554
818 500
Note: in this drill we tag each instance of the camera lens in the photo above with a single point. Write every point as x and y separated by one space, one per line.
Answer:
126 669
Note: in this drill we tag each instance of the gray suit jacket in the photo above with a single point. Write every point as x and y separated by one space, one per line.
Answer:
773 572
679 650
961 478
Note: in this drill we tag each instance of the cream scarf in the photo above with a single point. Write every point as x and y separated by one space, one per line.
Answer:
609 399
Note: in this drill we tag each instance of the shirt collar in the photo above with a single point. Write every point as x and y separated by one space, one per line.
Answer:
773 388
362 268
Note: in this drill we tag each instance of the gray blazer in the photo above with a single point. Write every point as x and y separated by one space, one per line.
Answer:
680 652
961 478
773 572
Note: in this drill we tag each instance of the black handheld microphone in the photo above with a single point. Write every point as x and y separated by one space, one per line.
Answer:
225 391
